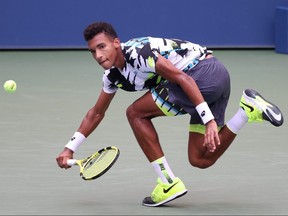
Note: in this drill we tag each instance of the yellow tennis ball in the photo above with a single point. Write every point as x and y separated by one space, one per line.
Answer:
10 86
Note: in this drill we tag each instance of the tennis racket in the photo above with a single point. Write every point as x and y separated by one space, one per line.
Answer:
96 164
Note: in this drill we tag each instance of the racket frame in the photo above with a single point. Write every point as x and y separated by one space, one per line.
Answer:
83 162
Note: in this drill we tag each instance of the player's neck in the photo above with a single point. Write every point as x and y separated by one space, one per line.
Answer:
120 61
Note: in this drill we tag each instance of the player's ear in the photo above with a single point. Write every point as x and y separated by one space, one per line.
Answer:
117 43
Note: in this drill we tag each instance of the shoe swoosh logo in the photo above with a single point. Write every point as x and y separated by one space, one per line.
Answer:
276 116
168 189
250 107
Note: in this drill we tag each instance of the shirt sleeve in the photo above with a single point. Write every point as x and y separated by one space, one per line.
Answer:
108 86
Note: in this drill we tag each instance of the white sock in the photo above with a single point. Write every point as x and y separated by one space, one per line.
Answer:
237 121
163 170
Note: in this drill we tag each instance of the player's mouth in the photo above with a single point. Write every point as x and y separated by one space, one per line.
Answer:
105 64
102 62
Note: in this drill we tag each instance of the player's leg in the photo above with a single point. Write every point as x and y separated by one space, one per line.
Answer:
253 108
139 115
198 155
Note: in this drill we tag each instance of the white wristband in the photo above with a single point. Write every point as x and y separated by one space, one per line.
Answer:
204 112
76 140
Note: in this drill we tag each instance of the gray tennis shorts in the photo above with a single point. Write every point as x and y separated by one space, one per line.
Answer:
213 81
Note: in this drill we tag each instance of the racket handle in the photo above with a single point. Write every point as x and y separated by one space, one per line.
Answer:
71 162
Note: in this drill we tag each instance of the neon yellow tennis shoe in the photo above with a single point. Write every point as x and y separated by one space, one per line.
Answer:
258 109
165 192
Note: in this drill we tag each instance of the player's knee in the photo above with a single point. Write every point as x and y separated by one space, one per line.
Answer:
201 163
131 113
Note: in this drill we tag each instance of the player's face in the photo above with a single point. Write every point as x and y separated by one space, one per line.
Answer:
104 50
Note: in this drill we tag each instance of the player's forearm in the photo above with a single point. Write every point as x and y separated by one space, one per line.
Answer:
194 94
90 122
191 89
88 125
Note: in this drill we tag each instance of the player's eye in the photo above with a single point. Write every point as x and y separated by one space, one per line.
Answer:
102 46
92 51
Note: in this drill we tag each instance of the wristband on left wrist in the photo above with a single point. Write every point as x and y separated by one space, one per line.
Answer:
204 112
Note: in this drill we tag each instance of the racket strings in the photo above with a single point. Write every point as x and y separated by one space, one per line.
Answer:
98 163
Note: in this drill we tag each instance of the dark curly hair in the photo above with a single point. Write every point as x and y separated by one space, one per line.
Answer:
99 27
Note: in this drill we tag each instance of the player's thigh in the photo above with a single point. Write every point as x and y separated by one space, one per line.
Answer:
144 107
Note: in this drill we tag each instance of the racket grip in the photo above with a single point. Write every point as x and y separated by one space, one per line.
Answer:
71 162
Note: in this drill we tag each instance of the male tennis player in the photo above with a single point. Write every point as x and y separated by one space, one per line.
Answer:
180 77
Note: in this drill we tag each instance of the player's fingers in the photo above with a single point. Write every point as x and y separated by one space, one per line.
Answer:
212 141
212 147
58 160
61 162
206 142
66 164
209 142
217 139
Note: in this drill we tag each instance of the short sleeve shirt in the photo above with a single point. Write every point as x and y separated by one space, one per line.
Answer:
141 55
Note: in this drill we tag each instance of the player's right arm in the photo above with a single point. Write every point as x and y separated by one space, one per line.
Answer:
89 123
95 115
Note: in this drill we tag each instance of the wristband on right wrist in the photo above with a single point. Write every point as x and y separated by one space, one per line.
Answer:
76 140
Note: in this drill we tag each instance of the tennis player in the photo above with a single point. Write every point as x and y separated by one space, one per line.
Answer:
179 77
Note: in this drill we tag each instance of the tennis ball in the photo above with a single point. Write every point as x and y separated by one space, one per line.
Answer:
10 86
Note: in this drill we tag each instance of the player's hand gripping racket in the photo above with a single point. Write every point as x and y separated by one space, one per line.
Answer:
96 164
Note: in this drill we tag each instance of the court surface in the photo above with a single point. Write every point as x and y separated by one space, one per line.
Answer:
56 88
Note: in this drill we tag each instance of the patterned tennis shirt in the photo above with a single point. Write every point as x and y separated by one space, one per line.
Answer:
141 55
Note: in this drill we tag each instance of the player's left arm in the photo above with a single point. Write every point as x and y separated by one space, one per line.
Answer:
168 71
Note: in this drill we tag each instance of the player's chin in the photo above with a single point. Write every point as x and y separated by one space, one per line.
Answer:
106 65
